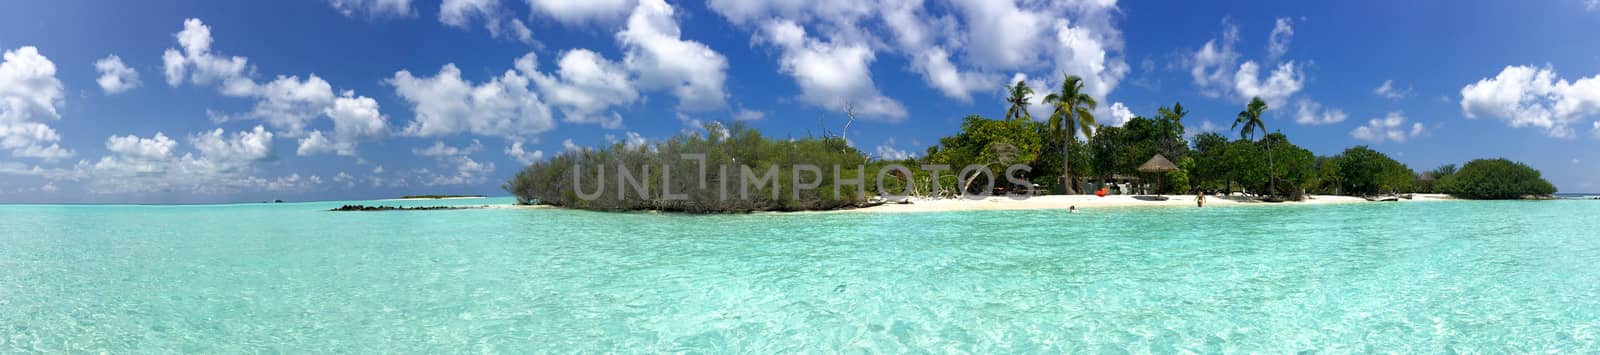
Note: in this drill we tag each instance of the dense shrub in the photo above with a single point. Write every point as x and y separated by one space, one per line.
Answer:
660 169
1495 179
996 144
1363 171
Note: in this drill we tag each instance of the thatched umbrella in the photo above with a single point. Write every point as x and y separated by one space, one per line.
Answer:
1160 165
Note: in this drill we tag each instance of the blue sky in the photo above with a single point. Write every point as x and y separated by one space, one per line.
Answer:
377 98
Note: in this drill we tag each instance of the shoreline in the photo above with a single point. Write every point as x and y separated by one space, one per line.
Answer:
434 198
1062 202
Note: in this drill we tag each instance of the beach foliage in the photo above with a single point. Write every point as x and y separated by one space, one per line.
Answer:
1073 114
1248 122
1050 148
655 171
1363 171
1292 168
1495 179
996 144
1210 172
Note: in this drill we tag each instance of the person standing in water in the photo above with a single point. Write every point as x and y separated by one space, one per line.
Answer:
1072 209
1200 199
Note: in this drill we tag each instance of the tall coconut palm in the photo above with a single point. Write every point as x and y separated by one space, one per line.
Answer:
1251 119
1072 114
1020 95
1172 126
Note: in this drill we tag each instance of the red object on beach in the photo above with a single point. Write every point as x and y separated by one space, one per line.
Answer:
1101 192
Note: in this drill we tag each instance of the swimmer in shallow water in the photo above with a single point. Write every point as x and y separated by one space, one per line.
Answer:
1072 209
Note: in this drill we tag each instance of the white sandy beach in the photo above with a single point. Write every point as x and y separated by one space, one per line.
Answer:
1091 201
1061 202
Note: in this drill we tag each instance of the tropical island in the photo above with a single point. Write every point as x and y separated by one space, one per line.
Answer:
734 168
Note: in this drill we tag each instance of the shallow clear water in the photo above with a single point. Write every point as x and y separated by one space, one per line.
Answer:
1407 277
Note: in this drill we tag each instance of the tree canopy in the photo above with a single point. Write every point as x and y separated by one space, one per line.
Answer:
1494 179
1271 166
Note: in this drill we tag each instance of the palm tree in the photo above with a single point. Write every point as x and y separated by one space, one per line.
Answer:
1172 123
1251 119
1176 113
1072 114
1020 95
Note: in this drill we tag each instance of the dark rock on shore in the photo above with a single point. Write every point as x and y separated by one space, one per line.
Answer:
348 208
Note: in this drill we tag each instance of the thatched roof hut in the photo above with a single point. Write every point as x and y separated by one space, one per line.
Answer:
1158 164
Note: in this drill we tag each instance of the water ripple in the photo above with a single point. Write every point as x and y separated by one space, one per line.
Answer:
1415 277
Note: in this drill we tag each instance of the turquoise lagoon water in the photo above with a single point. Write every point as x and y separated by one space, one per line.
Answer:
1408 277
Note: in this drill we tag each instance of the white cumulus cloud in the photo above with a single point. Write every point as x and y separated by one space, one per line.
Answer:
582 12
1118 115
1389 91
522 155
446 105
1390 128
888 151
224 164
661 59
439 149
156 147
1278 41
958 47
1216 69
1526 96
373 9
246 146
1309 112
198 64
831 75
1275 89
749 115
115 77
288 104
29 95
354 119
500 22
458 167
585 85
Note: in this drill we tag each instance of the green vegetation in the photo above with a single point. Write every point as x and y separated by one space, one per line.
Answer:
745 171
1363 171
996 144
1494 179
1018 99
1071 115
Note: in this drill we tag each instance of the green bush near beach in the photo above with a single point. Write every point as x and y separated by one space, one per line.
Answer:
1495 179
655 171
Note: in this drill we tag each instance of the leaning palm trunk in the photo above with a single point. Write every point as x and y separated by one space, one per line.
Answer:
1272 173
1066 153
1066 167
